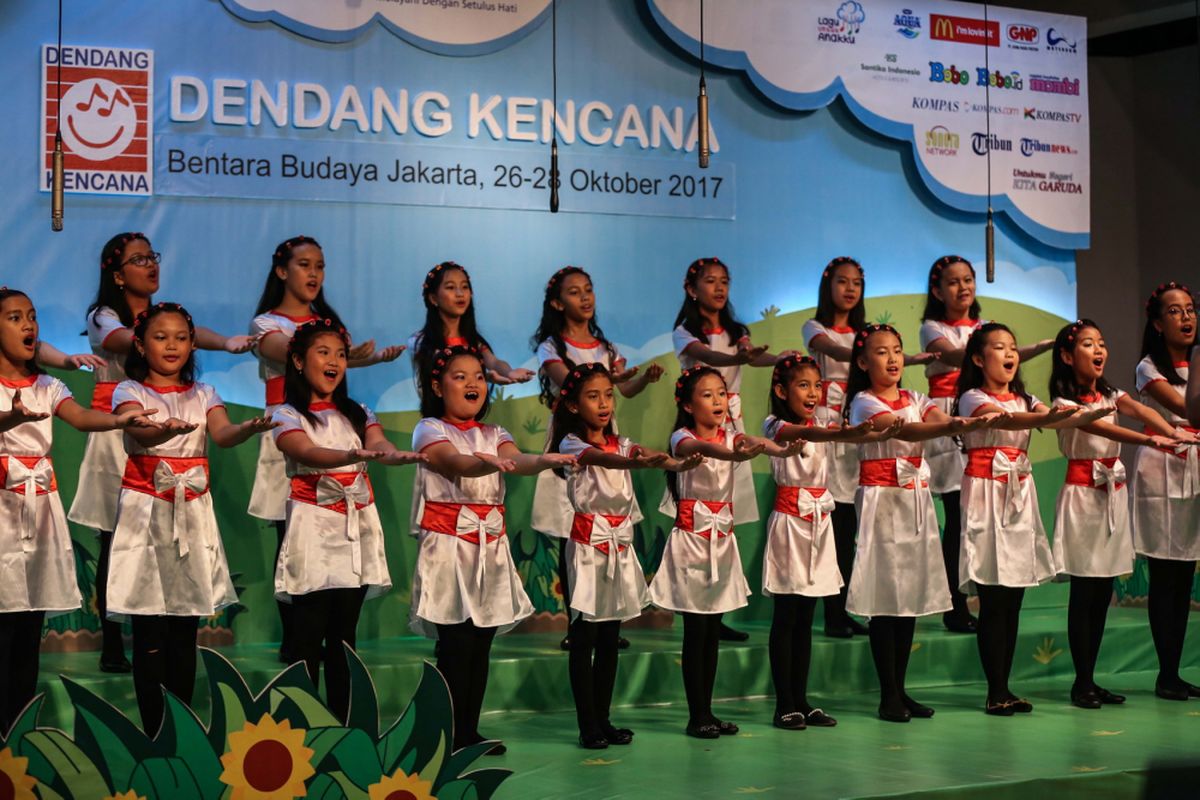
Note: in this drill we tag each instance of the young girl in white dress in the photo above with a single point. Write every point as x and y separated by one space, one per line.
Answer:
609 587
294 294
899 573
1004 546
333 556
701 576
568 335
1166 484
951 315
168 563
37 562
1092 540
800 562
466 586
129 277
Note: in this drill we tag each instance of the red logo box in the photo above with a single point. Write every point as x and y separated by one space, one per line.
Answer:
964 30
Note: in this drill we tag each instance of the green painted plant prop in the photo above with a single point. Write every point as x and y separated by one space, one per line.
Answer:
279 744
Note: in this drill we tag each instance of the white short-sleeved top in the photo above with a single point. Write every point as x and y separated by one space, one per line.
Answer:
1078 443
974 399
831 368
188 403
1147 374
600 490
467 438
712 480
42 393
101 325
264 325
808 468
718 340
910 406
332 429
956 333
577 353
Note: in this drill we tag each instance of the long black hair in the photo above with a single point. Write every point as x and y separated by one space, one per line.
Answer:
859 380
857 318
683 418
935 309
432 337
137 368
109 294
1062 374
971 374
551 327
1154 344
297 392
432 404
275 287
31 365
564 421
689 313
785 370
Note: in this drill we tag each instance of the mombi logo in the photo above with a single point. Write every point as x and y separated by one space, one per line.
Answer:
1053 84
964 30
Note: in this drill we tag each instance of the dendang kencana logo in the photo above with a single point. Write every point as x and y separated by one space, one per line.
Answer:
843 27
907 24
105 120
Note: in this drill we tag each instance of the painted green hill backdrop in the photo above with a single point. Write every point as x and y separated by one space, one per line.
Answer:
646 418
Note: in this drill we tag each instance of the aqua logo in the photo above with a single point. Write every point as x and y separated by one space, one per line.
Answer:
907 24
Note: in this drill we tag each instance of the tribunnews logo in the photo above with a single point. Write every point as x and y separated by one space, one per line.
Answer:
964 30
1030 147
106 124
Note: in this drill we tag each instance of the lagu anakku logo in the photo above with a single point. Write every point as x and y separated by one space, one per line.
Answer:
843 27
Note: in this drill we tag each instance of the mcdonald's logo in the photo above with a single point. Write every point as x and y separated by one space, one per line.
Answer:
964 30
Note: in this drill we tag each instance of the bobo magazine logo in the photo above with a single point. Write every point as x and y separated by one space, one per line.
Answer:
105 119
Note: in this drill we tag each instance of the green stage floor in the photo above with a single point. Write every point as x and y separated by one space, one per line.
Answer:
1058 748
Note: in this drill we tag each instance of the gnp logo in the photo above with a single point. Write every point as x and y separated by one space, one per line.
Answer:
1058 43
907 24
106 123
1023 37
964 30
843 28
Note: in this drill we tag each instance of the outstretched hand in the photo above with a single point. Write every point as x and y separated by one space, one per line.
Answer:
22 414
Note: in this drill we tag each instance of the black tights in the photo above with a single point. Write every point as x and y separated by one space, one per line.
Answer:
845 528
20 645
701 637
593 671
999 615
463 652
322 621
891 645
791 651
951 546
285 609
1087 609
164 657
112 645
563 581
1170 605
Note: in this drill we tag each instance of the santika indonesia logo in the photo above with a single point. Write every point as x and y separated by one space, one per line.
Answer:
106 124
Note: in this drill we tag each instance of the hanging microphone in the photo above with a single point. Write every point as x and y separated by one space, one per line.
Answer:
702 122
990 238
56 186
554 176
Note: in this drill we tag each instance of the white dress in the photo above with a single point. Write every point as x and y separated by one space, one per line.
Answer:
1003 541
465 569
1166 486
268 498
701 569
800 556
744 498
943 454
95 503
37 564
552 512
843 461
167 555
606 577
898 566
334 538
1092 538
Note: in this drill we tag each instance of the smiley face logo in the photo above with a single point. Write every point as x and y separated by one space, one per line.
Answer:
99 119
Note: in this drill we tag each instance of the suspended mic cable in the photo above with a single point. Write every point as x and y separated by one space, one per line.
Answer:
56 173
554 110
990 230
702 101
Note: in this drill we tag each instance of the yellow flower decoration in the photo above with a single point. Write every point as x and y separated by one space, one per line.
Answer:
399 786
15 782
267 761
130 795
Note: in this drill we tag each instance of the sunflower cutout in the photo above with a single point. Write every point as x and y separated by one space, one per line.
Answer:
267 761
399 786
15 782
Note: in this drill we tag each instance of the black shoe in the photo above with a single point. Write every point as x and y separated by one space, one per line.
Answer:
1002 708
1170 692
791 721
565 644
819 719
1109 698
725 728
615 735
116 665
703 730
839 631
856 626
1192 689
888 714
960 623
622 643
1085 699
729 634
916 709
1019 704
593 741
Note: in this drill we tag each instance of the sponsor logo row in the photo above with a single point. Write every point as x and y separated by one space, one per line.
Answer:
941 141
1027 113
